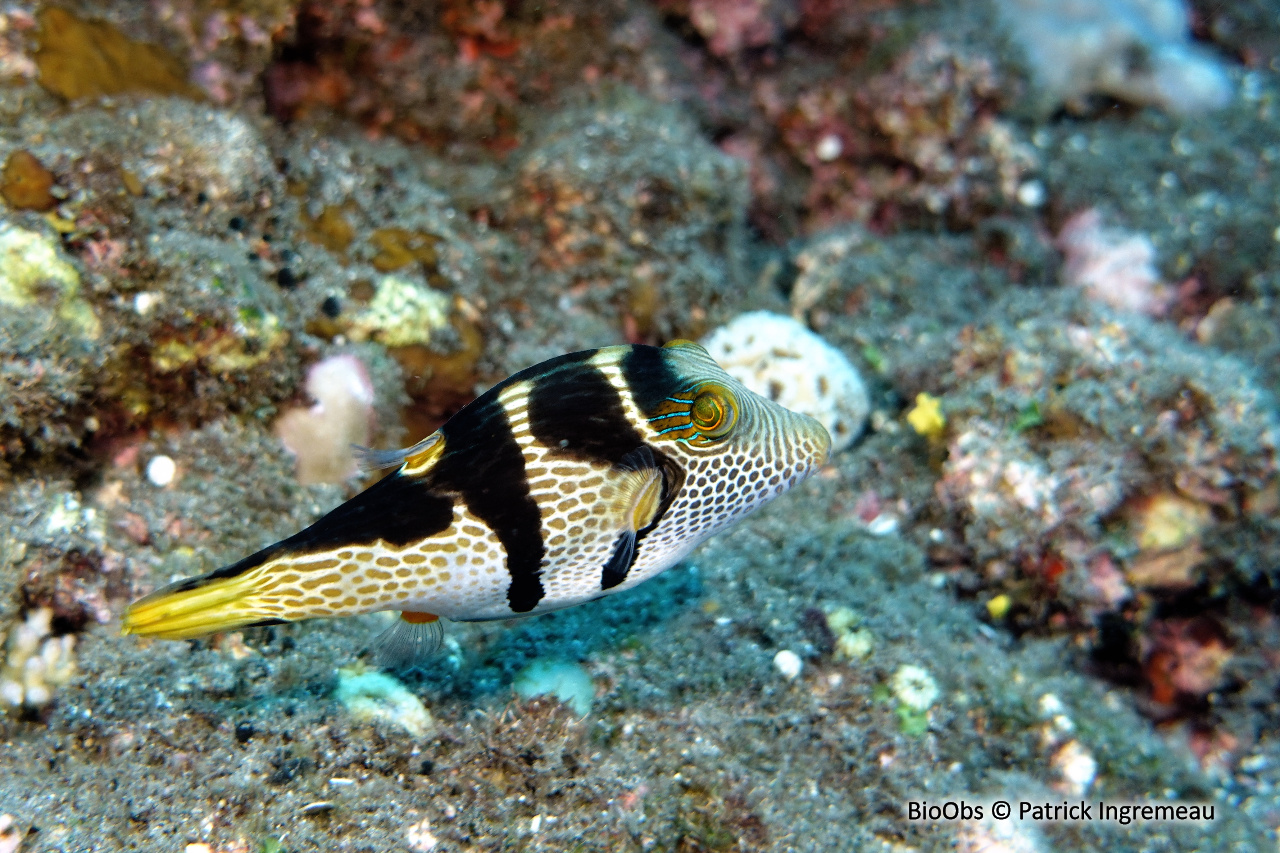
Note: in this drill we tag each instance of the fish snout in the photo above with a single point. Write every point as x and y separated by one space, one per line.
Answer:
811 442
800 446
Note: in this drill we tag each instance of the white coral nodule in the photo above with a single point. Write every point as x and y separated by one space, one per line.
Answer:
779 358
914 687
36 663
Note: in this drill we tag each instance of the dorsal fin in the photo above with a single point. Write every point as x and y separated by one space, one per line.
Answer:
682 342
419 458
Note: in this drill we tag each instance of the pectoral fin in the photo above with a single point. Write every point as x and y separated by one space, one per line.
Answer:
648 484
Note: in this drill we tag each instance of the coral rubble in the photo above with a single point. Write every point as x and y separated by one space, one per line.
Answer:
35 663
377 697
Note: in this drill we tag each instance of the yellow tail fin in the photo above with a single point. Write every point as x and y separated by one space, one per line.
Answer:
199 606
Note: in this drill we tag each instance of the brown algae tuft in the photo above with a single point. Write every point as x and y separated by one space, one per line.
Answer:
25 183
79 58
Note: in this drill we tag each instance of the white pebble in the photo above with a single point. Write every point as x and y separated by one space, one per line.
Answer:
788 663
143 302
1031 194
883 525
11 693
160 470
829 148
1076 767
419 836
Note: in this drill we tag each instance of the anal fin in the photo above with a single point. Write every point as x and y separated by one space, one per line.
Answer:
410 640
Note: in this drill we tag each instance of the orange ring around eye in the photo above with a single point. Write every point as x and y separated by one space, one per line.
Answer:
714 412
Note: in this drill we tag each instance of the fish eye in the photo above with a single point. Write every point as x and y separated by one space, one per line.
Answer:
714 411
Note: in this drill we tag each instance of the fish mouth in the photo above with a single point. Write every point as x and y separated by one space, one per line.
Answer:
813 442
823 440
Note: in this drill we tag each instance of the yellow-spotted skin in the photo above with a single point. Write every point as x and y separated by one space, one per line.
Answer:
578 477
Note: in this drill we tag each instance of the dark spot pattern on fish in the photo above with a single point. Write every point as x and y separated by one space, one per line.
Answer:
624 411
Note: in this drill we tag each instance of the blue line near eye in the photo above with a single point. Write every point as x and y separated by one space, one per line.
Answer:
678 400
672 415
672 429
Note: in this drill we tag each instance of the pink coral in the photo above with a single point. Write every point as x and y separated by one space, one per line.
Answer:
321 436
1185 657
1106 588
730 25
1112 265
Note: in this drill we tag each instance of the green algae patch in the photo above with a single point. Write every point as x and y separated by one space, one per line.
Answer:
376 697
257 338
32 273
88 59
401 313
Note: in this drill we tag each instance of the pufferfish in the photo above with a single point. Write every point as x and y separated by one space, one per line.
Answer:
582 476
